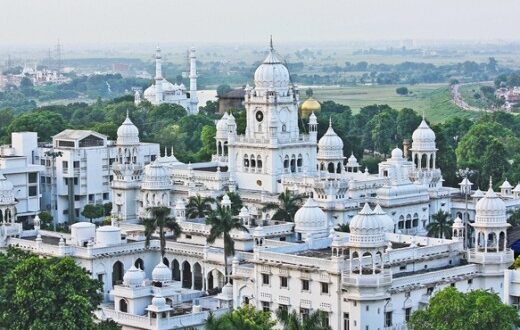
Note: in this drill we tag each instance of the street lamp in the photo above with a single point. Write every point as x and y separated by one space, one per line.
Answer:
465 188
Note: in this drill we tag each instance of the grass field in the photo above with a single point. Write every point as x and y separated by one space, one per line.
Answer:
468 91
433 99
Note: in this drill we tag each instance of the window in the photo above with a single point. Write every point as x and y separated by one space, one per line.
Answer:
75 181
188 236
470 281
65 164
324 287
42 162
283 281
77 197
91 197
265 279
346 321
283 308
266 306
305 285
388 319
33 191
105 196
429 290
33 177
407 313
304 312
75 164
402 267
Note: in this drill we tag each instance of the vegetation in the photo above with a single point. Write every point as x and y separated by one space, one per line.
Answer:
199 207
160 219
285 209
475 310
93 211
245 317
46 293
316 320
402 90
343 227
440 225
222 222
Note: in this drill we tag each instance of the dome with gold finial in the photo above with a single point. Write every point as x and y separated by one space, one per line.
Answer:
309 106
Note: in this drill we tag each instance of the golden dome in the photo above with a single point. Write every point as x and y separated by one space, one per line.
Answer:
309 106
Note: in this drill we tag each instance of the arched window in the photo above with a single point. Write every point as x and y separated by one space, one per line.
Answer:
293 163
186 275
258 162
118 270
176 270
424 161
300 161
286 162
166 261
246 161
252 161
338 168
123 306
330 168
139 264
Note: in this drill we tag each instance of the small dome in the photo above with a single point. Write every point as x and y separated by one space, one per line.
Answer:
161 273
457 224
423 138
385 219
222 123
352 161
365 221
127 133
490 209
310 217
309 106
133 277
158 301
272 74
506 185
366 229
478 194
517 188
154 172
244 212
168 86
397 153
149 93
330 144
227 291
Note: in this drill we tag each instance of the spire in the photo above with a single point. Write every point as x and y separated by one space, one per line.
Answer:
330 121
271 42
490 183
127 116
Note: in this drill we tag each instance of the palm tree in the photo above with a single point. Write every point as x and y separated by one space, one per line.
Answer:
316 320
160 219
343 227
222 223
199 207
288 204
440 226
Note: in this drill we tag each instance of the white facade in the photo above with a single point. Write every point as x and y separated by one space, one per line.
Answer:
163 91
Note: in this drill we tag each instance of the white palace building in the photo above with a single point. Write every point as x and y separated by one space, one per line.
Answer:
372 278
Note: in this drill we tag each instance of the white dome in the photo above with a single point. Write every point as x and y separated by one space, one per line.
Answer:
310 217
457 224
490 209
366 229
161 273
133 277
385 220
352 161
6 191
168 86
272 74
313 119
158 301
423 138
478 194
155 177
517 188
222 126
127 133
330 145
397 153
227 291
506 185
149 93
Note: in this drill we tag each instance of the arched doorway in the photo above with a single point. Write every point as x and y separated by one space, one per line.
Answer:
176 270
139 264
197 276
123 306
210 281
166 261
118 270
186 275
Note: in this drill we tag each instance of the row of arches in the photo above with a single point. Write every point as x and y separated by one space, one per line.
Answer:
331 167
222 148
293 164
253 163
127 155
408 223
366 262
6 215
424 161
494 241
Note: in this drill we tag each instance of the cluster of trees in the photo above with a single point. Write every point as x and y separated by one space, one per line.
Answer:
47 293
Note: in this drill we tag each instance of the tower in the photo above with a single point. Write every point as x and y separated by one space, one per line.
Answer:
272 145
424 154
194 101
330 152
158 77
127 172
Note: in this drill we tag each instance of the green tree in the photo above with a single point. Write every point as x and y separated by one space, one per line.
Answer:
236 202
107 209
45 219
222 223
93 211
223 89
383 128
494 163
160 219
46 293
108 325
401 90
45 123
207 137
243 318
440 225
199 207
407 123
475 310
343 227
316 320
286 207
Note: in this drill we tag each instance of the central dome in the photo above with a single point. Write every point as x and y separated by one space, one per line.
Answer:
272 74
127 133
311 105
490 209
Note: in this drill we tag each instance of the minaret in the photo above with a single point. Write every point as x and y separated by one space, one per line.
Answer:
194 101
158 77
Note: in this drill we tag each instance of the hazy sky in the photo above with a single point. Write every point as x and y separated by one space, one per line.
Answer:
31 22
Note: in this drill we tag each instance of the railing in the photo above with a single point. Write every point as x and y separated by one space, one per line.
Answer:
491 257
297 260
370 280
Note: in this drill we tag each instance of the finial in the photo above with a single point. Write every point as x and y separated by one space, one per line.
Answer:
271 42
423 115
490 182
127 114
171 151
330 121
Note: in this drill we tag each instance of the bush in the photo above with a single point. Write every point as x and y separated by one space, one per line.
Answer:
402 91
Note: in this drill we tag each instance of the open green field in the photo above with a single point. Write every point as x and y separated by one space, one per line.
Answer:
468 91
433 99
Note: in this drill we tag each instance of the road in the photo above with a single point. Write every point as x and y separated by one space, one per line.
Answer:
459 101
